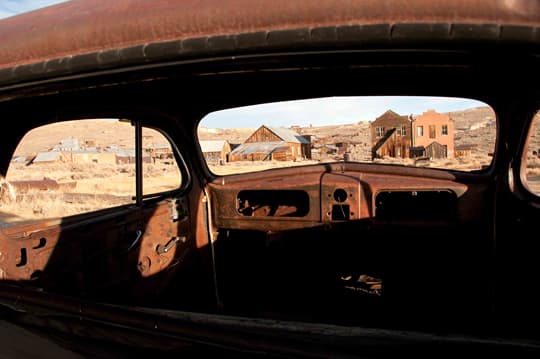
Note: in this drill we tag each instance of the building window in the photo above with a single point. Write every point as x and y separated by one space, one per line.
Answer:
444 130
432 131
403 130
379 132
420 131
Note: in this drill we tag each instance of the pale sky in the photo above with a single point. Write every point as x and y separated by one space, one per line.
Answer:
331 111
13 7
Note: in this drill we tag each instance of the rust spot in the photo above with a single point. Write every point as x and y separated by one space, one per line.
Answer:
144 265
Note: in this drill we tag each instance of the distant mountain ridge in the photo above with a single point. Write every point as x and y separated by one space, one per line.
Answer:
478 123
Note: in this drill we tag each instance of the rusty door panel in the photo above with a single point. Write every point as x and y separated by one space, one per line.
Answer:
102 256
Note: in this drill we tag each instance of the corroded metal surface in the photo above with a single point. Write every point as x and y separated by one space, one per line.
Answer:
27 249
53 246
320 185
86 26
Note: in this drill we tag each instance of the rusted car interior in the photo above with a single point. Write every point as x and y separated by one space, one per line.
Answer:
333 258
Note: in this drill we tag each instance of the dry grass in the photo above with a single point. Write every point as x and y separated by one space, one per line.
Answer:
36 204
96 187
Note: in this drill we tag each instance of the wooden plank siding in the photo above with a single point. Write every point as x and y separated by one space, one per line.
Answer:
436 150
391 135
273 144
263 134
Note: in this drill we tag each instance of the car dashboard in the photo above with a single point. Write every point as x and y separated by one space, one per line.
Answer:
332 194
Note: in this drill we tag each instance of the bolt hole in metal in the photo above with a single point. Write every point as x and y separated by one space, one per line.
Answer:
23 258
41 243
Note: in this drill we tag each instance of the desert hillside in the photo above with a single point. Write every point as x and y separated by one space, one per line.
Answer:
474 126
106 132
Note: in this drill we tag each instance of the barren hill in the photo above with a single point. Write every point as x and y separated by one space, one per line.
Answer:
473 126
104 132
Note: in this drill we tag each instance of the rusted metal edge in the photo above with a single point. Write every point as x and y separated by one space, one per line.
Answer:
98 321
357 37
84 26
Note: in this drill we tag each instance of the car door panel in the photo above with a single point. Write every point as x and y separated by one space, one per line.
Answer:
104 256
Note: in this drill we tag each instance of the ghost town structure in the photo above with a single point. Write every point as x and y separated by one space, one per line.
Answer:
273 143
430 135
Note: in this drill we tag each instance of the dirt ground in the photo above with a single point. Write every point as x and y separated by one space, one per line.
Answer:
81 189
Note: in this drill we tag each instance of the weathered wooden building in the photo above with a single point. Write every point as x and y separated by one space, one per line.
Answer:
391 135
273 143
48 157
434 129
79 156
161 152
89 156
127 156
428 135
463 150
436 150
215 151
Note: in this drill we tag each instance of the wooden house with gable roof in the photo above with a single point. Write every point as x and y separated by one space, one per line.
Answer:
273 143
391 135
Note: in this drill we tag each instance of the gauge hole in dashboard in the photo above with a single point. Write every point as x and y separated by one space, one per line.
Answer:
341 212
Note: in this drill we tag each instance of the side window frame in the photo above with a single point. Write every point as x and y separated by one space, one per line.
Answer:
138 197
180 163
534 126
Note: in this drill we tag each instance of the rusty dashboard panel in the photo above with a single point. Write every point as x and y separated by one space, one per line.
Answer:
273 203
279 202
294 200
342 198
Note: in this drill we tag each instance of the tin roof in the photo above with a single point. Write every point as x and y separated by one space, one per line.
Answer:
391 118
212 145
86 150
49 156
124 152
259 147
288 135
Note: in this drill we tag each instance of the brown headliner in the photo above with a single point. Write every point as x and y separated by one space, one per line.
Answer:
84 26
